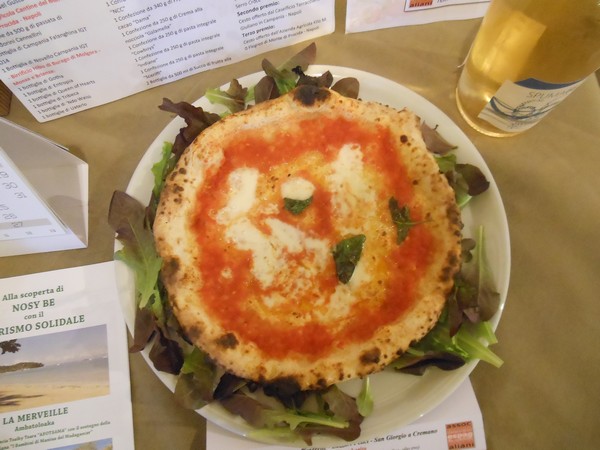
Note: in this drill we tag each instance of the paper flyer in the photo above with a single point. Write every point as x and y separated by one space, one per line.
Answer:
63 56
377 14
64 370
454 424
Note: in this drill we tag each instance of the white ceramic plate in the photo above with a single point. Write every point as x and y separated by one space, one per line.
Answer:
399 399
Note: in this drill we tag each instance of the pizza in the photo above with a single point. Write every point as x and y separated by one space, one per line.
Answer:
308 239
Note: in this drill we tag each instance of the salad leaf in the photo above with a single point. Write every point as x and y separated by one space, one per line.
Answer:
346 255
248 408
228 384
285 79
416 362
302 59
144 329
284 423
364 401
434 142
469 343
296 418
401 219
197 380
474 177
323 80
166 355
475 292
467 180
341 404
234 98
345 407
463 330
265 89
284 75
196 120
446 163
127 217
296 206
162 168
348 87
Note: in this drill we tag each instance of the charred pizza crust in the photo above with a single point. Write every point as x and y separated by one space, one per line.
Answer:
254 285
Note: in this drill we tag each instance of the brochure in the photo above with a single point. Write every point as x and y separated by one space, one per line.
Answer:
64 370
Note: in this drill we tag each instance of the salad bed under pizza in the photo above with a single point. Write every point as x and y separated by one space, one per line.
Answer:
303 238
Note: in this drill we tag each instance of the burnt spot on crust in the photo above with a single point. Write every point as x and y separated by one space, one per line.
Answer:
404 139
282 387
322 383
193 333
227 341
309 95
169 268
453 214
371 356
450 268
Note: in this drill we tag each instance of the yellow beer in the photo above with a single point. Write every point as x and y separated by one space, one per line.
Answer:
527 56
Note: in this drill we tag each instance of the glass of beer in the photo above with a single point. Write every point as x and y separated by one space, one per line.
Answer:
528 55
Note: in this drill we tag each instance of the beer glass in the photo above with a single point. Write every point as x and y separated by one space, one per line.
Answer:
527 56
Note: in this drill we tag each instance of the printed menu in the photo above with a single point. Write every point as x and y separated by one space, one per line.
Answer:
64 373
59 57
373 15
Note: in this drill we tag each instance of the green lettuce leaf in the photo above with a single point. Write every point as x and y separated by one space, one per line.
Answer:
234 98
466 180
364 401
197 380
463 329
284 75
469 343
127 217
476 294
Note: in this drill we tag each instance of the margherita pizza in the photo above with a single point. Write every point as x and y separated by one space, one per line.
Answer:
308 239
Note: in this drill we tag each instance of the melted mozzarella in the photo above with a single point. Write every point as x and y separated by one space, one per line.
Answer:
286 236
242 194
246 236
350 192
297 188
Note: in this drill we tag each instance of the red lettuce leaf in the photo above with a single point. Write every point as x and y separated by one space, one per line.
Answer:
348 87
195 118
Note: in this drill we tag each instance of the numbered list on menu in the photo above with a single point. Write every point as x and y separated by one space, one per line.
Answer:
63 56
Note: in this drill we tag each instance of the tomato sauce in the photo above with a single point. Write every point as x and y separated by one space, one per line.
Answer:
236 298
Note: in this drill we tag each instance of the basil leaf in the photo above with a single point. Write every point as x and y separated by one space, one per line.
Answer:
296 206
401 218
346 255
